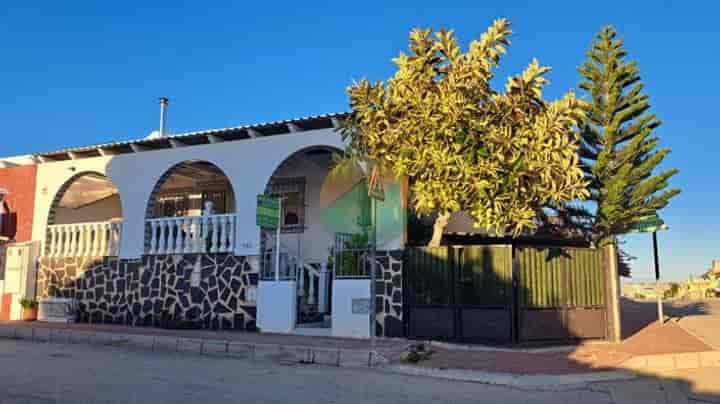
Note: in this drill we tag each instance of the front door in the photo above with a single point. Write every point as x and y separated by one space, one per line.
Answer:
5 304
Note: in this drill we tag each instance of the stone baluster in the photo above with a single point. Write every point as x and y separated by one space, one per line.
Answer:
72 236
90 236
153 237
193 230
231 233
205 233
118 234
80 250
76 240
187 243
75 237
93 239
87 235
112 230
103 232
90 239
53 242
215 235
161 241
222 247
177 224
65 230
100 239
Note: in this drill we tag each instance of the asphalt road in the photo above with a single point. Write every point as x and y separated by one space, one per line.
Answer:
59 374
42 373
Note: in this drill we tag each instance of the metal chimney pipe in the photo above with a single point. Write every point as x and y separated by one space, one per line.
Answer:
163 114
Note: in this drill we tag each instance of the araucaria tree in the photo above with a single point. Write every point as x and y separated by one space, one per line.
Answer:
618 147
500 156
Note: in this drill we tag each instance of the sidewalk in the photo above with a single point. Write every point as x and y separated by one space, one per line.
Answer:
280 348
654 340
585 358
233 336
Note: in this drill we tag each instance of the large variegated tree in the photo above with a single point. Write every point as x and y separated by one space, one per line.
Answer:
501 156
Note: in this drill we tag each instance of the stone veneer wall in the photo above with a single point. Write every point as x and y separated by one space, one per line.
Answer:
389 294
200 290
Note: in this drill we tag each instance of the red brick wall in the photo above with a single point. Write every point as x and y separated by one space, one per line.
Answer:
20 182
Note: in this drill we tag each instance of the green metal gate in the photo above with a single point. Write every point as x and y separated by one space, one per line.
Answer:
500 293
459 293
561 294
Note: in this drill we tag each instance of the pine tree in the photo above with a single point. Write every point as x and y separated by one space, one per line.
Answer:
619 149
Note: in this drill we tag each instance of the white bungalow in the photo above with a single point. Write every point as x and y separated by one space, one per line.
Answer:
162 231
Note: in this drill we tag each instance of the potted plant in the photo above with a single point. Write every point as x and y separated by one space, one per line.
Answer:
29 309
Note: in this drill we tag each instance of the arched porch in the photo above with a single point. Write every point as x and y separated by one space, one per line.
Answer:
85 218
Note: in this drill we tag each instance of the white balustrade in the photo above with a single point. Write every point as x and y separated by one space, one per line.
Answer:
92 239
192 234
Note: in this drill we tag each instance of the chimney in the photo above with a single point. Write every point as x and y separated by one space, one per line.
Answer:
163 114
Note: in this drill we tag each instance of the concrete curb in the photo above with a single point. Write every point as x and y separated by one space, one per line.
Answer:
351 358
487 348
668 362
534 382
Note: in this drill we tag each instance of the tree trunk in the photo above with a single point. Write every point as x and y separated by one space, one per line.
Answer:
438 228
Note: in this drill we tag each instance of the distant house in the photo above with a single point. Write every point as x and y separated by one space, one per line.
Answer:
714 271
644 290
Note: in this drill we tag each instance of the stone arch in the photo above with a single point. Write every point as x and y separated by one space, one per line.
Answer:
84 216
279 167
170 175
67 185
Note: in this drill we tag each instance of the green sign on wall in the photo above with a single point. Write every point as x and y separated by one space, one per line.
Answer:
268 212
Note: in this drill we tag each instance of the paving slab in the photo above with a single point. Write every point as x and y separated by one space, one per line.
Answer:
646 391
705 327
699 384
215 348
241 351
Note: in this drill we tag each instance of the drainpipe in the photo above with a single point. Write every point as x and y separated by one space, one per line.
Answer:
164 101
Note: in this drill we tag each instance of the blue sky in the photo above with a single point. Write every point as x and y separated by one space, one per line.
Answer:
78 73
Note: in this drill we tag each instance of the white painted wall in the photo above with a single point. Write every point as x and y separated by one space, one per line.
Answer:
52 176
247 163
276 306
313 243
344 322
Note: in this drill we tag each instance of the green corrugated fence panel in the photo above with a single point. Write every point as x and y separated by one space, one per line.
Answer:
480 275
429 282
571 277
485 276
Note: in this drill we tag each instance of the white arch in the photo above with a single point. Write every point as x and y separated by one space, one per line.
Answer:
248 164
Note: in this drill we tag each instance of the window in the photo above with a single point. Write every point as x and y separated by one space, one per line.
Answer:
292 190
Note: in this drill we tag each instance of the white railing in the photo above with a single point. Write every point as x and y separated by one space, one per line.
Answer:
91 239
193 234
304 272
